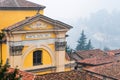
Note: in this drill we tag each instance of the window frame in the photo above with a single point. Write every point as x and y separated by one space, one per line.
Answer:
37 60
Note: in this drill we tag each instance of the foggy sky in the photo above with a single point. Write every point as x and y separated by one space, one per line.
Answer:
78 12
76 8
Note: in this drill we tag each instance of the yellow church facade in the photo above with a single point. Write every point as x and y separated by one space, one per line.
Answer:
32 41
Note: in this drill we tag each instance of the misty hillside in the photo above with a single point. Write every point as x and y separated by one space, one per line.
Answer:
101 27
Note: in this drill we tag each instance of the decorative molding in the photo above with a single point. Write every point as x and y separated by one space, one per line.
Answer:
37 17
60 46
34 42
39 31
16 50
38 25
38 36
51 68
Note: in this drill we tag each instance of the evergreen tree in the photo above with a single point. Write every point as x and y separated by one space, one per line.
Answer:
89 45
81 42
106 48
68 49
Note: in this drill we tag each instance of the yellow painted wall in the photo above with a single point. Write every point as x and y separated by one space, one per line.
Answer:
10 17
28 60
24 49
52 46
46 59
4 53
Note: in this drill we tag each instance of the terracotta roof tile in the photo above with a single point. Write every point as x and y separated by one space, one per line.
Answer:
75 56
98 60
25 75
18 4
69 75
67 57
114 52
110 70
91 53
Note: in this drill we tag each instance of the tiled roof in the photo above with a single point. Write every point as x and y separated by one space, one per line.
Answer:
114 52
69 75
8 4
111 70
67 57
25 75
98 60
37 17
74 56
91 53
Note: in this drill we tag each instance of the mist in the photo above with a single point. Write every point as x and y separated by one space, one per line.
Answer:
101 27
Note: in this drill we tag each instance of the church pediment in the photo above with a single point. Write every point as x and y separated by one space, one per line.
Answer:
38 22
37 25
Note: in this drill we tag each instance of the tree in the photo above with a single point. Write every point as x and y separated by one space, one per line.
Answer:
2 35
68 49
81 42
106 48
6 75
82 45
89 45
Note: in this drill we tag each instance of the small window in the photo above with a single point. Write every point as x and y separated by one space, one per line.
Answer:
37 57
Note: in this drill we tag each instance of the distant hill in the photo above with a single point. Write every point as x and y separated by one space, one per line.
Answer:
102 28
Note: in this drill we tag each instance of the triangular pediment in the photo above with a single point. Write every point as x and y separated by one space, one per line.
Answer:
38 22
37 25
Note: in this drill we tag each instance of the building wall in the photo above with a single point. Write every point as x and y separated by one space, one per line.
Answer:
10 17
26 36
46 59
4 53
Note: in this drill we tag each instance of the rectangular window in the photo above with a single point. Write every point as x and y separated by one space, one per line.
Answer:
37 57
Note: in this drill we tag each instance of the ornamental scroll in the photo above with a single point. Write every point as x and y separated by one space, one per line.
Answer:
60 46
16 50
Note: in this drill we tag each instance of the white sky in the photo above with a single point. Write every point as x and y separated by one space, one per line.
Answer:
66 9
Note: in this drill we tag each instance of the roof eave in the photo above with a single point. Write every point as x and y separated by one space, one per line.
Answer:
22 8
42 17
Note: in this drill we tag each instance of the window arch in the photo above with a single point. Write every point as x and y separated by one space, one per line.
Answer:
37 57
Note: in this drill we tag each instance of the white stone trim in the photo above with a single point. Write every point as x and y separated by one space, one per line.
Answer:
39 31
37 67
35 42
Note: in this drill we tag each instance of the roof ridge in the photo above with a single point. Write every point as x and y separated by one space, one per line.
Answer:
20 4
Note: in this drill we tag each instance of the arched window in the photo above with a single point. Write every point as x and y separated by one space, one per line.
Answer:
37 57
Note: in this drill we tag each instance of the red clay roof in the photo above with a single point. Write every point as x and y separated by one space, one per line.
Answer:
18 4
67 57
75 56
97 60
69 75
114 52
91 53
110 70
25 75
